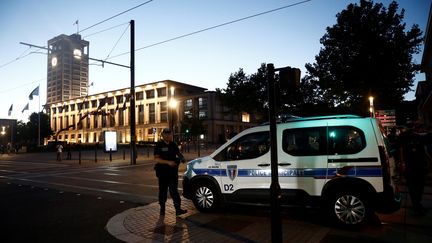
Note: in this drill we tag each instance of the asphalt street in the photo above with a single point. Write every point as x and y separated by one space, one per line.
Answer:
37 214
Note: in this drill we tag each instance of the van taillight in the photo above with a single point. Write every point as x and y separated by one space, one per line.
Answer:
385 163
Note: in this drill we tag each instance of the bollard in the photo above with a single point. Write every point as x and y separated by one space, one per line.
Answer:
148 151
79 156
110 155
124 154
95 155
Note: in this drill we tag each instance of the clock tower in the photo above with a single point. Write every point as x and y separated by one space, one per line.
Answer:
68 68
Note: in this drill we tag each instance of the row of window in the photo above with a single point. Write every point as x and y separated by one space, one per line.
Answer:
336 140
107 120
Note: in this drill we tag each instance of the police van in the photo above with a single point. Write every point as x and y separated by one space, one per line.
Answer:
342 162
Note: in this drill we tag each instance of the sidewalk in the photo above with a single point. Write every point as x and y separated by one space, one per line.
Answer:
144 224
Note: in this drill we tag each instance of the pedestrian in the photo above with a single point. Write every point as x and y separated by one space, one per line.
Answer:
168 157
59 151
414 166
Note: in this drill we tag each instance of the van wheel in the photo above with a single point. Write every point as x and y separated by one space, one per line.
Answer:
348 208
205 197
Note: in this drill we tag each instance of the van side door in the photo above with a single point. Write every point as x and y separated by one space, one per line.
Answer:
245 166
303 159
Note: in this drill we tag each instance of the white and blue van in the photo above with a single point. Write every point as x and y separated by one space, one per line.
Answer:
342 161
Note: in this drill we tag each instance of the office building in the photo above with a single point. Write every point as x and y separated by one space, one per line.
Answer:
67 76
191 111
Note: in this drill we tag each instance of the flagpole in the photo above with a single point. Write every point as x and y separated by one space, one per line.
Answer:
39 122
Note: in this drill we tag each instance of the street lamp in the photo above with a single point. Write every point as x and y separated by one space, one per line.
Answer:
172 106
371 106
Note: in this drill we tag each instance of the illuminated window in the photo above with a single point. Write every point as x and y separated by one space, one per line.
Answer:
245 117
77 53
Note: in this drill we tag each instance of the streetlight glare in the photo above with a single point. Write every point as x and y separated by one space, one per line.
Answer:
371 106
173 103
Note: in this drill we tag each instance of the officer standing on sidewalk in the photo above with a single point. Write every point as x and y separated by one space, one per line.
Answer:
413 157
168 157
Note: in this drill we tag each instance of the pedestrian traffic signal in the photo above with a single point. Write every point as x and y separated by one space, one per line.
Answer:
289 77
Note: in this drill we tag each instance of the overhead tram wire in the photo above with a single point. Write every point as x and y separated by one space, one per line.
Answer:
115 45
107 29
112 49
214 27
16 59
23 85
103 21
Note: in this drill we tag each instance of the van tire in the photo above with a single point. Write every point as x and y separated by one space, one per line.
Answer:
205 197
348 208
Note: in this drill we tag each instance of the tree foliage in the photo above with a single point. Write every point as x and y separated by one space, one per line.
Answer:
367 52
245 93
27 133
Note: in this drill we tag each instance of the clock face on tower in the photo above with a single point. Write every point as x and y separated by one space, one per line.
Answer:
54 61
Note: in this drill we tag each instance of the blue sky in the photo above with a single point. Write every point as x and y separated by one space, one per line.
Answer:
289 37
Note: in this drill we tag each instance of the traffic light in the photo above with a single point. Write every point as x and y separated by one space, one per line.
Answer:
289 77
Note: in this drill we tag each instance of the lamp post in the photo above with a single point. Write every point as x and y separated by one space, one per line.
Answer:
172 106
371 106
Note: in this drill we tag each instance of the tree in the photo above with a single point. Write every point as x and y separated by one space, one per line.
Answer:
45 128
27 133
367 52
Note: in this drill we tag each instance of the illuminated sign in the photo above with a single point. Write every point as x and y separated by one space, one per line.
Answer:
110 141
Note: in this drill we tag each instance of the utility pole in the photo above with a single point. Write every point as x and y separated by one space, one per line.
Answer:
275 190
132 94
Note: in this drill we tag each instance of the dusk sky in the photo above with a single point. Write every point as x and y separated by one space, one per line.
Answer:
287 37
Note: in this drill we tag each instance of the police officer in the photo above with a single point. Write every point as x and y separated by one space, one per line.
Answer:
413 162
168 157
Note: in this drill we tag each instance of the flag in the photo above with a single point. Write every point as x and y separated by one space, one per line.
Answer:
25 108
34 92
10 110
102 102
76 22
117 107
124 106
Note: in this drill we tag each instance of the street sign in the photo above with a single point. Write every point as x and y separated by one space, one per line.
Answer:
386 117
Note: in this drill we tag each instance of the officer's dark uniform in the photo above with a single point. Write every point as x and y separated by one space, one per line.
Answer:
168 175
414 156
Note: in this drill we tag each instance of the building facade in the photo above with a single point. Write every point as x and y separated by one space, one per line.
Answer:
157 105
67 74
424 88
8 132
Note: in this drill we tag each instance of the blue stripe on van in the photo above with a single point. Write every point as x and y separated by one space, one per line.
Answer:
358 171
